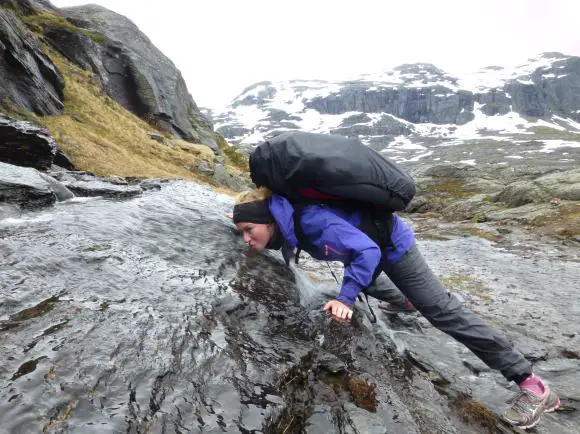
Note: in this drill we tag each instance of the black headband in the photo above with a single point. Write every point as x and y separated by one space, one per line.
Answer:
253 212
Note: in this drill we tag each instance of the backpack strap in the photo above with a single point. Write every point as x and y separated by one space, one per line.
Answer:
304 242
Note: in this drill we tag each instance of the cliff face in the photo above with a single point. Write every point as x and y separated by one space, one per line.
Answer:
129 67
83 89
28 78
132 70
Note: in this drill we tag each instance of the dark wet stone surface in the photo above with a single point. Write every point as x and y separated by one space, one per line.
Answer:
147 315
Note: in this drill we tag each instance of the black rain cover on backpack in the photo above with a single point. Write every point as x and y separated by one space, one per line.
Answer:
291 163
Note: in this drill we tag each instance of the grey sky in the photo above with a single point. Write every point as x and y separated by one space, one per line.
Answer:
223 46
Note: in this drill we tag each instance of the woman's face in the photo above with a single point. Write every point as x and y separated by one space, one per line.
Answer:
256 235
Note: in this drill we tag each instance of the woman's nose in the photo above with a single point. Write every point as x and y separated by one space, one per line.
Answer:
246 238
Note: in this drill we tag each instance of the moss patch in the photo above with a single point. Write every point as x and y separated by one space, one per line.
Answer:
233 157
553 133
450 187
474 412
466 284
477 232
563 221
38 22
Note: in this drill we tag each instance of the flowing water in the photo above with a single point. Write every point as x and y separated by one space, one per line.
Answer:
148 316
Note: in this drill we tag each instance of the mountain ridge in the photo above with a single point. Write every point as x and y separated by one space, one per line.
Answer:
419 106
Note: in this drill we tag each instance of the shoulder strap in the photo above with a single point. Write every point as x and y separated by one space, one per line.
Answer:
303 242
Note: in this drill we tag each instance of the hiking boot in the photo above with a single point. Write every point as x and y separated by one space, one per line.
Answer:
527 408
391 308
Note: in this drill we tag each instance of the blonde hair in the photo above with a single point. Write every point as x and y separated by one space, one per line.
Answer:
261 193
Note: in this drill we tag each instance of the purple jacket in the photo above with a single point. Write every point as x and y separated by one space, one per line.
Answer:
335 235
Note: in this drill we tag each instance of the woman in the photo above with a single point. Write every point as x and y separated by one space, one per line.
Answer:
266 221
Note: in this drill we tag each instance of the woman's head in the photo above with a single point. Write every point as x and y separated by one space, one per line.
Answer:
253 218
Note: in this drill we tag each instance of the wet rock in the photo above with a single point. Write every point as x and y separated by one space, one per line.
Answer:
28 78
151 184
62 160
87 185
330 363
207 337
62 193
321 418
364 421
24 187
23 144
117 180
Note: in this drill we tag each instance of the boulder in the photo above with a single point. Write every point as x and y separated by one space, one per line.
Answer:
222 177
88 185
23 144
24 187
563 185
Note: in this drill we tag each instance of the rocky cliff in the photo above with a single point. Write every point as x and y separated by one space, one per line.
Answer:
28 78
130 69
83 89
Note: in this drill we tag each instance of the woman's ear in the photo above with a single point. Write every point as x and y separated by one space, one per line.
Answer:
231 216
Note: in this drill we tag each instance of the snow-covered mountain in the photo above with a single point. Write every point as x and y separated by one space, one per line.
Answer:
417 111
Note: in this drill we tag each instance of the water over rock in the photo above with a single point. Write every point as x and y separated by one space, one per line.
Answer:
24 186
149 315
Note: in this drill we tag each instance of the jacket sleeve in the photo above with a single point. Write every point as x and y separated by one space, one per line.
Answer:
340 240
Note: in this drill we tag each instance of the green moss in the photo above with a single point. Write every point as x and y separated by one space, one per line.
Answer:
46 19
466 284
554 133
478 217
236 159
13 110
96 248
452 187
481 234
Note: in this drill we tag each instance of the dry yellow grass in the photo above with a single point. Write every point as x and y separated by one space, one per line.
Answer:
102 137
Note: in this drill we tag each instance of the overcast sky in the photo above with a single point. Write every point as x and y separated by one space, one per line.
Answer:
223 46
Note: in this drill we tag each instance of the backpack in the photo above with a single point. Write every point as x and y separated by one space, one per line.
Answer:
332 170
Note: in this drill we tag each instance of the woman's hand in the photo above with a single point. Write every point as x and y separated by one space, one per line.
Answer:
338 309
